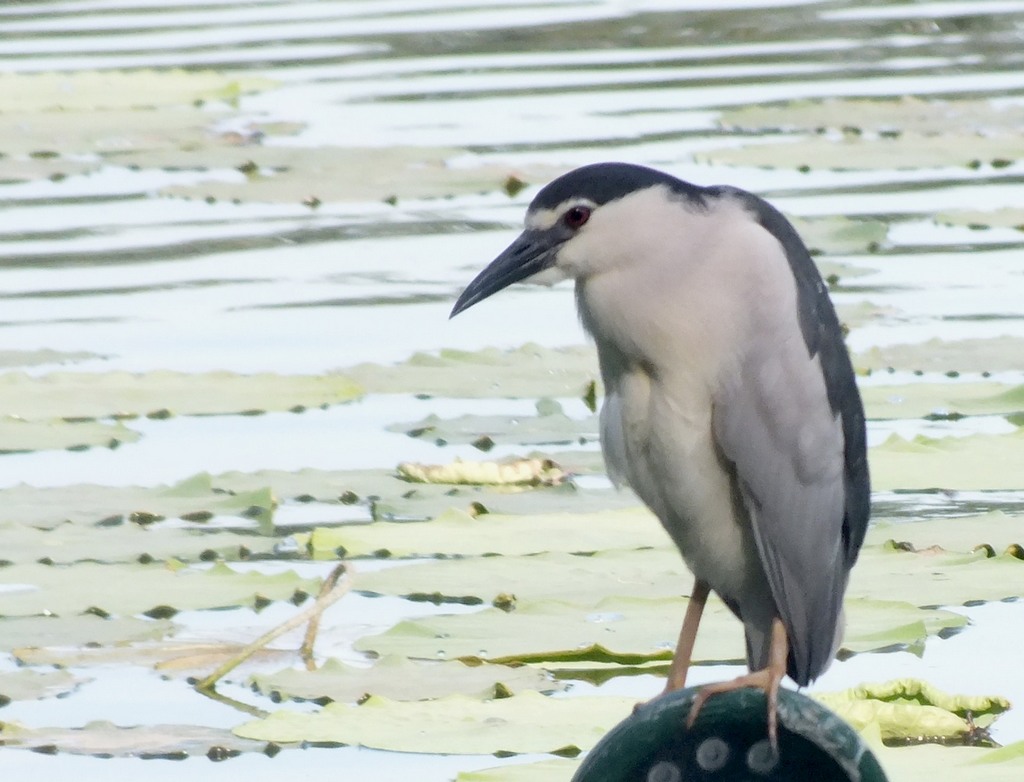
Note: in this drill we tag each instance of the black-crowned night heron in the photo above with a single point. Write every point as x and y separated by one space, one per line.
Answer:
730 402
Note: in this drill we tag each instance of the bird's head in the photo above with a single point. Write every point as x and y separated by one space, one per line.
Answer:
572 219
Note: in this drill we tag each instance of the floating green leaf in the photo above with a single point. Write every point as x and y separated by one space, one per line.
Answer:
400 679
19 435
529 722
929 762
110 89
839 235
1007 217
26 685
129 542
52 507
937 355
81 395
924 578
555 429
296 174
555 770
530 371
39 631
912 709
917 400
905 114
104 739
457 533
855 152
996 529
28 358
978 461
127 590
627 630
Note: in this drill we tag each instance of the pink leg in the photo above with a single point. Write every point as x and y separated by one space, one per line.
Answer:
687 637
767 679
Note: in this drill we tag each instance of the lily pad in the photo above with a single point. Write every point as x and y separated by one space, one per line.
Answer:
857 153
30 358
839 235
912 709
128 590
513 472
51 507
905 114
100 133
122 394
296 174
929 762
105 739
978 461
917 400
525 723
627 630
930 577
552 429
457 533
936 355
395 498
168 656
110 89
555 770
18 435
531 371
1007 217
28 685
996 530
926 577
38 631
400 679
130 542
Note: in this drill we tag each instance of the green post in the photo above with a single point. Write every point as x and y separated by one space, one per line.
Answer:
729 742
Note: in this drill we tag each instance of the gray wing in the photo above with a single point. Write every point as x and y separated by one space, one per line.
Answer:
774 423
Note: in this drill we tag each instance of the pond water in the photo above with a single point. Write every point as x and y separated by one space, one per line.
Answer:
121 249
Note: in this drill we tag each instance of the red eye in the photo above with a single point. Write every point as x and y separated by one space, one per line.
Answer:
576 217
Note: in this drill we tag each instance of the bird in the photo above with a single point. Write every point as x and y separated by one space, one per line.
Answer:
730 401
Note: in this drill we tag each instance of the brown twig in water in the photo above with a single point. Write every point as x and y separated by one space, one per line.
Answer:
329 594
330 583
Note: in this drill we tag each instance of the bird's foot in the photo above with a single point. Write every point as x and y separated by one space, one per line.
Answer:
766 680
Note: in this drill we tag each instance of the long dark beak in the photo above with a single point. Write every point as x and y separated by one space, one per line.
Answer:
530 253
